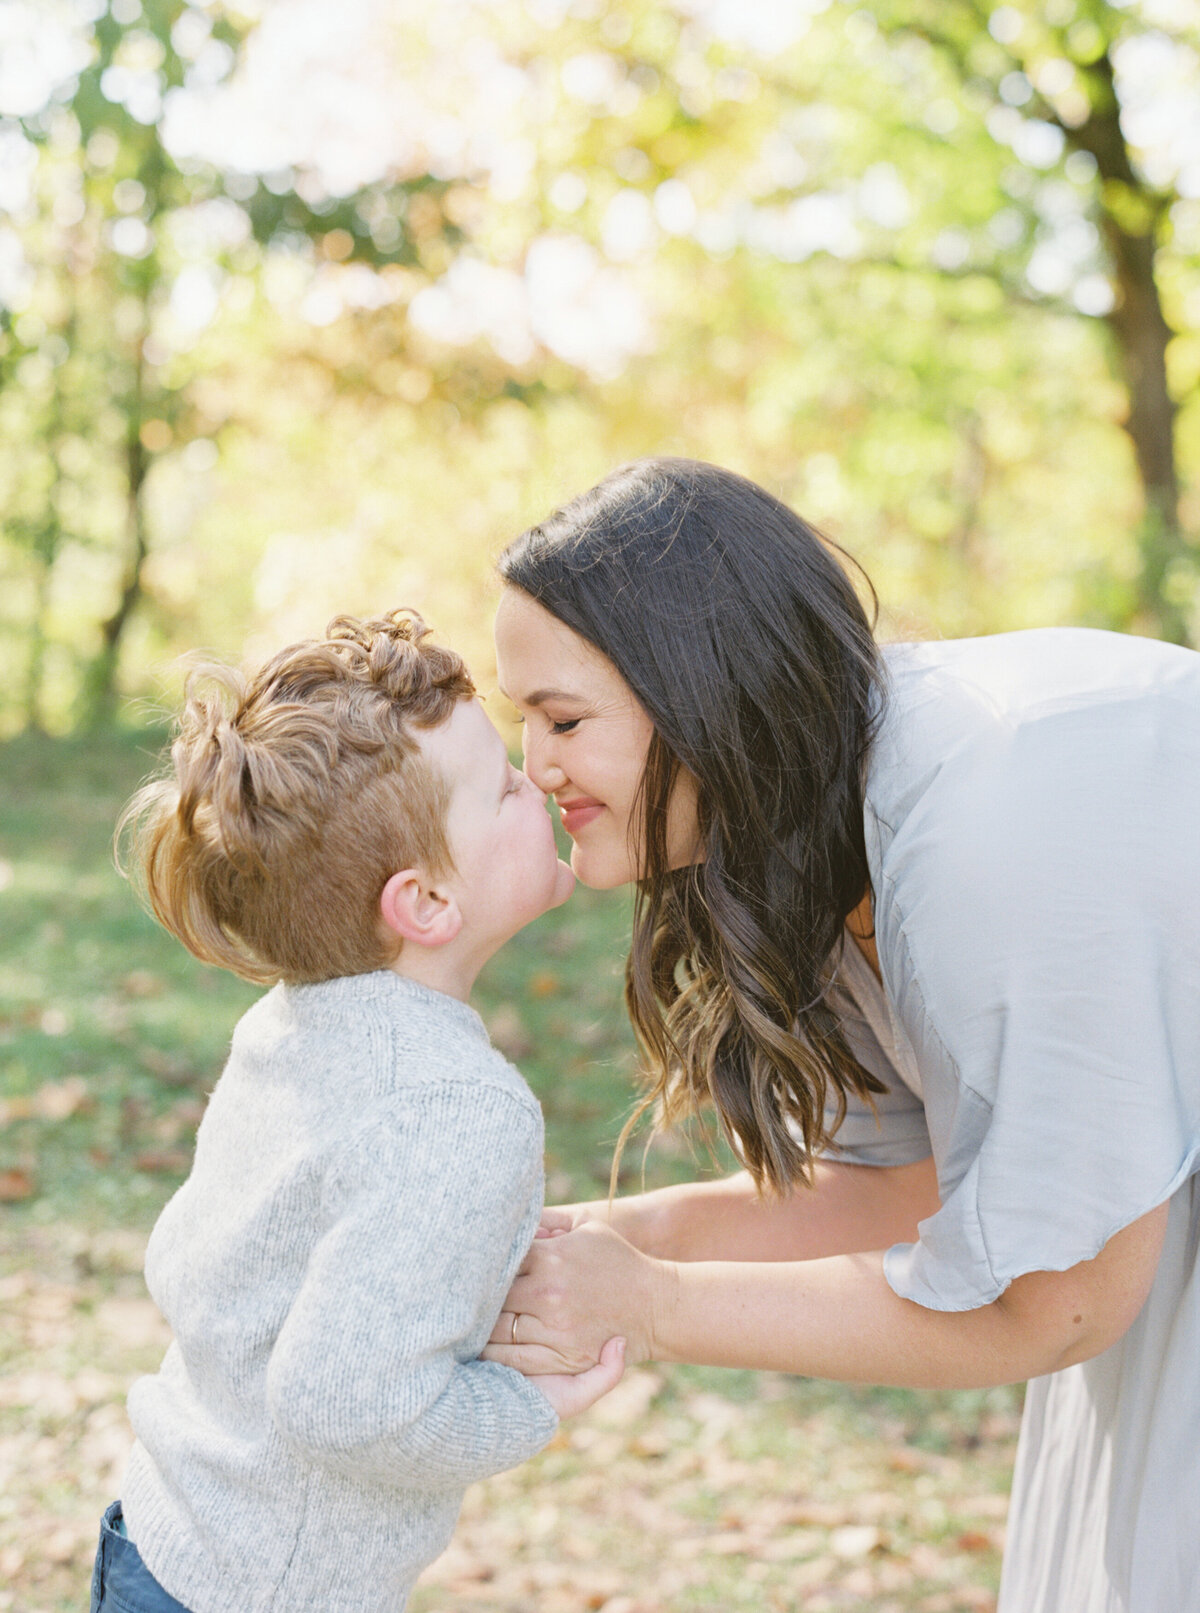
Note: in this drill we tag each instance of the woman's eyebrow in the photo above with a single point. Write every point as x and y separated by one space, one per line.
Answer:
540 696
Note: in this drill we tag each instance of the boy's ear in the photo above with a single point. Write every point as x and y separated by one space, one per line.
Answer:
415 910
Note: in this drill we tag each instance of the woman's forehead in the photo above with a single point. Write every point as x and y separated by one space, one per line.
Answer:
538 656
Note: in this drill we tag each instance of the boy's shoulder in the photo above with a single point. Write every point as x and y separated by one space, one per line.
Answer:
387 1032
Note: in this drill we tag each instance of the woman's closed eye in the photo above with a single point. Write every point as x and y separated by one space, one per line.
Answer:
565 726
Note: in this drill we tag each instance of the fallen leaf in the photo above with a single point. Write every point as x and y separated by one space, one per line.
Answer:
59 1100
730 1543
166 1067
163 1162
60 1547
16 1185
974 1540
902 1461
544 984
654 1443
54 1100
629 1402
134 1322
141 983
855 1540
508 1032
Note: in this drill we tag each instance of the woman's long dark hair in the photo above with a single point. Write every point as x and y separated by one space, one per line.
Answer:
745 642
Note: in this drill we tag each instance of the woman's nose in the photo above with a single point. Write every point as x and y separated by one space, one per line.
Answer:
540 767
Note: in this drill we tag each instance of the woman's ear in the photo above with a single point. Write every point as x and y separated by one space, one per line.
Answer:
415 910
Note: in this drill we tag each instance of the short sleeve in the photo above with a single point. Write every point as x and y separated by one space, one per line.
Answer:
1037 920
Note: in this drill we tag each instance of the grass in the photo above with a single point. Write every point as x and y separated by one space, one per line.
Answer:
686 1489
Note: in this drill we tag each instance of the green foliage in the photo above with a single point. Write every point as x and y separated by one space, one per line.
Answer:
98 369
884 262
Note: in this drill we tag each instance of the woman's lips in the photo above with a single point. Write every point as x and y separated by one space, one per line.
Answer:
578 814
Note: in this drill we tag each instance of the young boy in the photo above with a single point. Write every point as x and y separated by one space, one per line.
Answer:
368 1174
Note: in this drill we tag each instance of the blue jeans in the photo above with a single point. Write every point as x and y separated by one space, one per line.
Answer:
121 1582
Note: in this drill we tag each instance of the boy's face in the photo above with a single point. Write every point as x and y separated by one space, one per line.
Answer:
506 865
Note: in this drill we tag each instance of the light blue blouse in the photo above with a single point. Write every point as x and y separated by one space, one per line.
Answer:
1033 834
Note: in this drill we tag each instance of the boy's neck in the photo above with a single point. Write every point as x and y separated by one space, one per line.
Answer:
425 966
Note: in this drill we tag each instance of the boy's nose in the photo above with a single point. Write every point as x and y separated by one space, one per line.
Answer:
545 780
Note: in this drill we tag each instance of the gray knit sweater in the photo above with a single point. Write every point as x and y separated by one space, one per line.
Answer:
368 1177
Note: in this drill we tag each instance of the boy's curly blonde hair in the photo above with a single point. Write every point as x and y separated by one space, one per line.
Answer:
294 795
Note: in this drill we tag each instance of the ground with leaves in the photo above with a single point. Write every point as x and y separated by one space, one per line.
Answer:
685 1489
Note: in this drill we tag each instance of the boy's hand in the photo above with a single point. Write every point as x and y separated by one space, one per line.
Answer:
571 1393
559 1218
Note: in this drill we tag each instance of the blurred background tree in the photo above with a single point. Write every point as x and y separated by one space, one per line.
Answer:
304 311
119 249
1111 93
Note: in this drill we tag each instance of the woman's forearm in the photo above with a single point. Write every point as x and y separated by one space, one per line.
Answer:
838 1318
823 1320
849 1208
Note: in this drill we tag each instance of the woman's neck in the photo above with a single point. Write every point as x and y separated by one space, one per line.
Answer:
861 925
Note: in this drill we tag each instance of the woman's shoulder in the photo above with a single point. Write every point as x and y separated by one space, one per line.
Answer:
1026 707
1036 785
1019 669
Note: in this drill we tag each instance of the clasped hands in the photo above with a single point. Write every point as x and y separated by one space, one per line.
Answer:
580 1308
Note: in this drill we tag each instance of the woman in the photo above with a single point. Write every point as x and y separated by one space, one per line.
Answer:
921 926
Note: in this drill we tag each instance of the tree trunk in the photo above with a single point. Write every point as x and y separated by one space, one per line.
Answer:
100 683
1129 219
32 715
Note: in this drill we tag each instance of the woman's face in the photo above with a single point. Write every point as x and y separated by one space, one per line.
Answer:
585 741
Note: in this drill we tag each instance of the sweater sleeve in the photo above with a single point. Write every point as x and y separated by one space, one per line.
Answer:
430 1214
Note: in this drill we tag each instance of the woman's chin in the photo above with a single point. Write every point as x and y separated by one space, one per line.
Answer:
597 872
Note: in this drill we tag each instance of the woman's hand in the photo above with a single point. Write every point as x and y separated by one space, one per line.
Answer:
578 1289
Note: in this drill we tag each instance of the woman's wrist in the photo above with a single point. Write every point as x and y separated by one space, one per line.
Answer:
687 1222
639 1219
643 1221
661 1304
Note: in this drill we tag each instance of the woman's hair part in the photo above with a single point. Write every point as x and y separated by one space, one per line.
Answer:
742 637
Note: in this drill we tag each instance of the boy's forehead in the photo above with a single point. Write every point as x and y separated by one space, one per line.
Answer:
466 745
